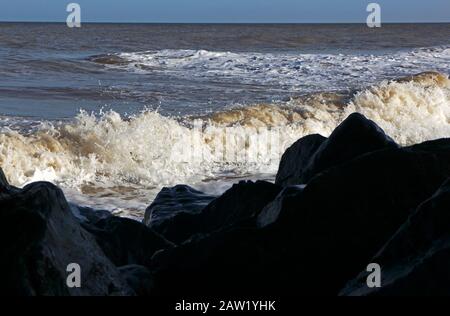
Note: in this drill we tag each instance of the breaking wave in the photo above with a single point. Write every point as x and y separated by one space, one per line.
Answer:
292 71
151 150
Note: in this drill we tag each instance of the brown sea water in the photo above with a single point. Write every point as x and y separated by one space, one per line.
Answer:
203 105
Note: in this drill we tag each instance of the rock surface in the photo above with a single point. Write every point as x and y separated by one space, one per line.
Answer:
172 201
365 200
296 158
345 214
40 238
355 136
415 261
241 202
125 241
320 236
139 278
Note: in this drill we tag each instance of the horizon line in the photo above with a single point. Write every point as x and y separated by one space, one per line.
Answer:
227 23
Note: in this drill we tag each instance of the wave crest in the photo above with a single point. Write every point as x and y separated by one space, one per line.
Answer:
152 150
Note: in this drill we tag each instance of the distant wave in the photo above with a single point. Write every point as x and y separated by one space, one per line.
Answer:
305 72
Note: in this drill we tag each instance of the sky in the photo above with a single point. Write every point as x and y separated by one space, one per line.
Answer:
226 11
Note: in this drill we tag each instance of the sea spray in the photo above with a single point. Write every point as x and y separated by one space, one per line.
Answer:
111 156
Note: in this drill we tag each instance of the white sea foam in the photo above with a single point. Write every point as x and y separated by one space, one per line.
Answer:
292 71
110 157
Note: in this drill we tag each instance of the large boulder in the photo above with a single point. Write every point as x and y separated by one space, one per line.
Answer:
345 214
320 236
242 202
126 241
296 158
241 261
416 259
271 212
355 136
171 201
139 278
40 237
87 215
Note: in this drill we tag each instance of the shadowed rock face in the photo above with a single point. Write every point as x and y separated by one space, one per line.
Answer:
296 159
311 240
258 238
126 241
139 278
239 203
171 201
416 260
271 211
174 211
40 237
345 214
313 154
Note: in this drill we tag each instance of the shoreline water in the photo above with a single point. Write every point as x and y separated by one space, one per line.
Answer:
93 160
201 105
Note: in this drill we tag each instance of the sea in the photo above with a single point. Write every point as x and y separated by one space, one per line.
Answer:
112 113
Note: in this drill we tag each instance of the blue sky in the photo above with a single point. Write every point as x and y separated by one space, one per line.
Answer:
234 11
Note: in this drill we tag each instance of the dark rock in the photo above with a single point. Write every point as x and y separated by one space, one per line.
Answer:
228 262
87 214
320 237
240 203
296 158
5 188
271 212
126 241
40 237
139 278
172 201
355 136
344 215
416 259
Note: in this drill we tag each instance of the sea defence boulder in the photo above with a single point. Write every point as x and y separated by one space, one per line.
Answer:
173 212
312 154
296 159
139 278
319 237
345 214
40 238
258 238
271 212
126 241
416 260
173 200
241 202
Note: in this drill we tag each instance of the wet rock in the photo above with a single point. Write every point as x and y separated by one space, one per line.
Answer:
139 278
240 203
87 214
172 201
296 158
126 241
271 212
345 214
415 260
320 237
229 262
355 136
40 237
